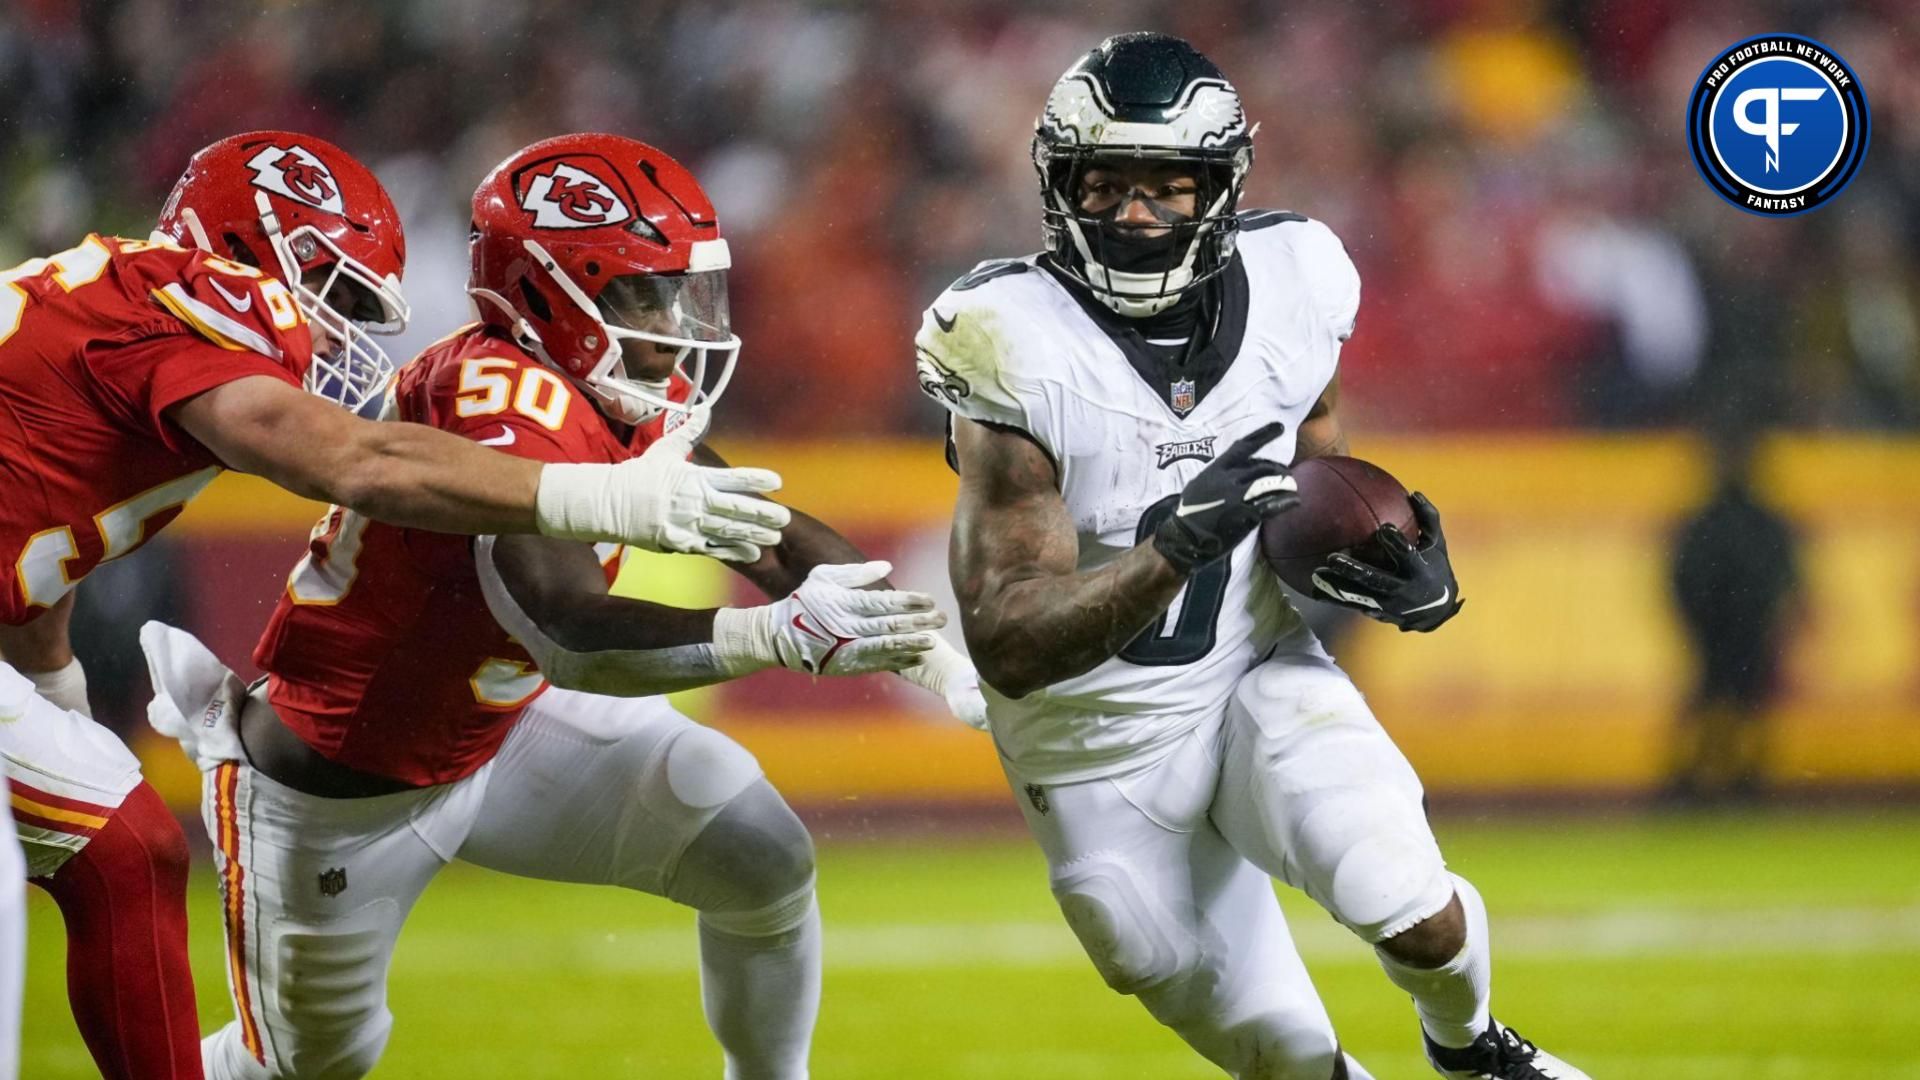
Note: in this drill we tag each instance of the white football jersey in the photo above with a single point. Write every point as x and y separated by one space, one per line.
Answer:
1012 344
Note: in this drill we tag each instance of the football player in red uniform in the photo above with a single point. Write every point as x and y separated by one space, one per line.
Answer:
432 698
131 373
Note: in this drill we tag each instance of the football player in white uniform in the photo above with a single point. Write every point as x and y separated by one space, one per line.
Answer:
1122 406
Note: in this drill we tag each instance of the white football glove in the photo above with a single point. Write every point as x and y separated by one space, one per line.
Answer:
947 673
831 626
660 501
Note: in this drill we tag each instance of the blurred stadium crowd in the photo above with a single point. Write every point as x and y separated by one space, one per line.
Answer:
1511 175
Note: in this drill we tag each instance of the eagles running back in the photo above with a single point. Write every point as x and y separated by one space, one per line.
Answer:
1011 344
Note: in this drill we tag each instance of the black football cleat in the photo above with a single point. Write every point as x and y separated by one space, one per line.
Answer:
1499 1054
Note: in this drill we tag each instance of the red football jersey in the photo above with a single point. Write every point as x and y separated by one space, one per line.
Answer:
382 654
96 344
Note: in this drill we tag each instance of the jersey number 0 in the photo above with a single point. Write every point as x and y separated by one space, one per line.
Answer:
1185 631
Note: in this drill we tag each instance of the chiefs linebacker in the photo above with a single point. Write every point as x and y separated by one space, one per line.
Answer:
131 373
432 698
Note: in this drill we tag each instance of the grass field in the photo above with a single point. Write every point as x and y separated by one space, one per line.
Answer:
1710 948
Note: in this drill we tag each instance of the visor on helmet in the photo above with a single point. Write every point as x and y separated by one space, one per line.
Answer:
658 327
667 326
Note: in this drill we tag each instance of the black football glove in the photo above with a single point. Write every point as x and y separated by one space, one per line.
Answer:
1226 501
1417 593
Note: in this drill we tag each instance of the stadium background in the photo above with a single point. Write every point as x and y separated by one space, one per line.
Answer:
1558 318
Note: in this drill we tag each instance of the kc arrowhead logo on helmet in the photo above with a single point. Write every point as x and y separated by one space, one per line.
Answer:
566 196
294 171
602 256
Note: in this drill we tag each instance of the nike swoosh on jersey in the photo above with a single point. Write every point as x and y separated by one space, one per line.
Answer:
1446 594
505 438
945 323
242 303
1196 508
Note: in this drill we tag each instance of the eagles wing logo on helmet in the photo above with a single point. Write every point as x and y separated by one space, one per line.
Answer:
1208 114
568 197
1216 115
294 171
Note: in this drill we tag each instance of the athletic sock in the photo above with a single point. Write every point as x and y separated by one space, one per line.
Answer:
762 990
124 899
1452 999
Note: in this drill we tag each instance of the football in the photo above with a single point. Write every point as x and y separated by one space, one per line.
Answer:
1343 503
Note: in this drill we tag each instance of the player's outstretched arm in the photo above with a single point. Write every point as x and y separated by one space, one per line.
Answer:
808 542
552 596
1029 619
416 476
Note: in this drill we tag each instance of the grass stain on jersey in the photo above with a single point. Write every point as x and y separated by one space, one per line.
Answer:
971 350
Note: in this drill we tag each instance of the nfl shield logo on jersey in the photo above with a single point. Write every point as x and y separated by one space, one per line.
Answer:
1181 396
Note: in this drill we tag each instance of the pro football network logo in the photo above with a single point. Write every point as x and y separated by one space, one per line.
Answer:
1778 124
563 196
294 171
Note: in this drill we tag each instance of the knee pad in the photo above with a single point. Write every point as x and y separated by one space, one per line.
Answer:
329 1018
1373 862
687 780
698 772
749 871
1134 940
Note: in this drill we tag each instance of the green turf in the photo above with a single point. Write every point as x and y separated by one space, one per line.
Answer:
1712 948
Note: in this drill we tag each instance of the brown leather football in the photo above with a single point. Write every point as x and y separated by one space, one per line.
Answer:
1343 503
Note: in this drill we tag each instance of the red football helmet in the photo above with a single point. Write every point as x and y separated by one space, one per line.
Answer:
595 251
291 204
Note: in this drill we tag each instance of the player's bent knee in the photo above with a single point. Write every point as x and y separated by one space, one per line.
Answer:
158 834
750 870
1432 942
1134 941
1376 866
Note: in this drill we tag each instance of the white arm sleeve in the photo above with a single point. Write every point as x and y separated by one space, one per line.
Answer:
617 672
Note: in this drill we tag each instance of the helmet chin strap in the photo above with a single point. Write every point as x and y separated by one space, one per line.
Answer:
1136 295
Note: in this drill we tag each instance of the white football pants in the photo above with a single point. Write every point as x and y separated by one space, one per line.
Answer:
66 773
588 789
1164 873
